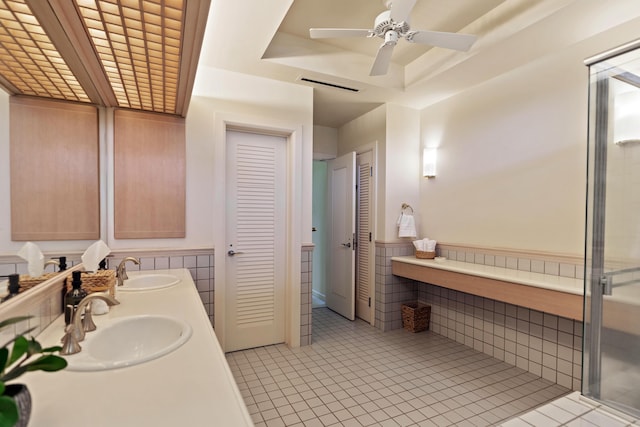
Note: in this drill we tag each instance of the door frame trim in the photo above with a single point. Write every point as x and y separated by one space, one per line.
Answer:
373 148
293 240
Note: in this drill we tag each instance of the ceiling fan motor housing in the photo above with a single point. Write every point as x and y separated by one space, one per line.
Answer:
384 23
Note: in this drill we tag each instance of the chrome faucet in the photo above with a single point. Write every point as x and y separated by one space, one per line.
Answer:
121 271
52 262
75 331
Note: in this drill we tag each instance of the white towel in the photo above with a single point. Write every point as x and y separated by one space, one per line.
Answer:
94 254
31 253
406 226
425 245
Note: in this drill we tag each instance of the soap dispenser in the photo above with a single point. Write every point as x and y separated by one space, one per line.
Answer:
63 263
14 286
73 297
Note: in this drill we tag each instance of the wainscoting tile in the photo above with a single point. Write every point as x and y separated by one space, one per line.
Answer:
529 339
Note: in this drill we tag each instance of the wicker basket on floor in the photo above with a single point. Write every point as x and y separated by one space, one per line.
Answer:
100 281
28 282
415 317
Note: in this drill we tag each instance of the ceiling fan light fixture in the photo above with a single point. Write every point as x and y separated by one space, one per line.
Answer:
393 24
384 24
391 38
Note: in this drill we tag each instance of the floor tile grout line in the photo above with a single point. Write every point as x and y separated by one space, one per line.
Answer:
313 360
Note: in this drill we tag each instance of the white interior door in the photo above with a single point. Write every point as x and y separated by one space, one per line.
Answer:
255 261
341 205
365 251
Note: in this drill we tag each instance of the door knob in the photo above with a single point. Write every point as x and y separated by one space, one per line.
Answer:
232 252
346 245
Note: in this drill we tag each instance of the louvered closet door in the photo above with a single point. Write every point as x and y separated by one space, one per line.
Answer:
255 261
364 229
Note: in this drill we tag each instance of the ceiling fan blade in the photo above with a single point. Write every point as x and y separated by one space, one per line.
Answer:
328 33
400 9
462 42
382 61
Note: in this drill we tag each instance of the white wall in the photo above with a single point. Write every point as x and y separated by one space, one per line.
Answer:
325 142
396 131
366 129
403 160
226 92
512 159
8 247
223 91
198 203
512 156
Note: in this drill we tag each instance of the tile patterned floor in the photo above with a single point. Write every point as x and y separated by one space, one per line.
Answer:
356 375
573 410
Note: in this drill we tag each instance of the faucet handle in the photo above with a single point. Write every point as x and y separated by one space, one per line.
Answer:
87 320
121 271
70 343
79 328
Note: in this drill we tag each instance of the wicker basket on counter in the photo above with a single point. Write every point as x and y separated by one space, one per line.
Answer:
99 281
425 254
28 282
415 316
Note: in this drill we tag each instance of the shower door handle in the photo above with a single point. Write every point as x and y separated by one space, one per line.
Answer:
607 285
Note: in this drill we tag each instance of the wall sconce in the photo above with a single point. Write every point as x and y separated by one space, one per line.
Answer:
429 156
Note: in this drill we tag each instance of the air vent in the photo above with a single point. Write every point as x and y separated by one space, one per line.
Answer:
333 85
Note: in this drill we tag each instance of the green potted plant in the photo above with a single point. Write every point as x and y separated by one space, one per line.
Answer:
18 356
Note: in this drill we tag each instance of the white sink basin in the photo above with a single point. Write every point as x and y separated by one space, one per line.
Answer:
148 281
129 341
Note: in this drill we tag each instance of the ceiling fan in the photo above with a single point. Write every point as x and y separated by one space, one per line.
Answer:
391 25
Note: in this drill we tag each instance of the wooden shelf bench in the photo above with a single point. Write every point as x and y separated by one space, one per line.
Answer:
557 295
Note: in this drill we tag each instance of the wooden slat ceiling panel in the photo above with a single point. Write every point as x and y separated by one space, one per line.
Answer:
29 60
136 54
129 39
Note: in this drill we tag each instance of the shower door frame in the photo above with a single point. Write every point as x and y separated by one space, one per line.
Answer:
598 282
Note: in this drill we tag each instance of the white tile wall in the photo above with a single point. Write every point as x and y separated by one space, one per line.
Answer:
45 310
540 343
543 344
391 291
306 312
200 264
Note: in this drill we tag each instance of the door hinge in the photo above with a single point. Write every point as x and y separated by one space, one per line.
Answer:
355 242
371 171
369 301
369 236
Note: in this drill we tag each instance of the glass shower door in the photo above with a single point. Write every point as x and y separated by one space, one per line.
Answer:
611 356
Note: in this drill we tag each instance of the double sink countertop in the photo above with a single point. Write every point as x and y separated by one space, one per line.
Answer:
191 385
